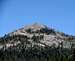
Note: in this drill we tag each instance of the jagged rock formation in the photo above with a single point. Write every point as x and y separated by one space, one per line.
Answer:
35 40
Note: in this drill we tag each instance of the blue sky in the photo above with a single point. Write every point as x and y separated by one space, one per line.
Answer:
59 14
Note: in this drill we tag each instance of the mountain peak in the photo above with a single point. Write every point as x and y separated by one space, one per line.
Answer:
39 35
36 26
39 28
33 27
35 40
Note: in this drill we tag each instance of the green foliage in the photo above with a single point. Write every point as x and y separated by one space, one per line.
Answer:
47 31
35 53
29 30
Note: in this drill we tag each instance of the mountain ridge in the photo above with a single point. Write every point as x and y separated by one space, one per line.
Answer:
49 36
37 42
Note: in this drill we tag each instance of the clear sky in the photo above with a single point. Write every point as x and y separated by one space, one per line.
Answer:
59 14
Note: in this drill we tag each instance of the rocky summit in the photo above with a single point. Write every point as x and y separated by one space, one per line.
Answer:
36 42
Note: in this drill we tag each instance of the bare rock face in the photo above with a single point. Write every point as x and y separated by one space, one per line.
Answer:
35 40
33 27
40 35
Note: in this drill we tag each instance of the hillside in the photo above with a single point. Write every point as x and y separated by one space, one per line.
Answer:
36 42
